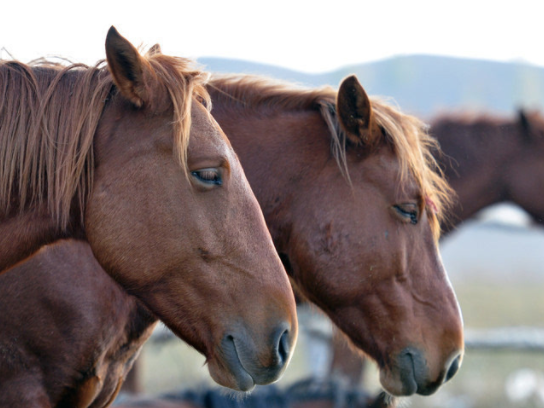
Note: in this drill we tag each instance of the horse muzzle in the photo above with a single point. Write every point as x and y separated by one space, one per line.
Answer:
249 363
411 373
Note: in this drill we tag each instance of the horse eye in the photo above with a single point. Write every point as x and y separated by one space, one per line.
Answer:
208 176
408 211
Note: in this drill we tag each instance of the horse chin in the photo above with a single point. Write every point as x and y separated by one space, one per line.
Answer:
396 384
231 374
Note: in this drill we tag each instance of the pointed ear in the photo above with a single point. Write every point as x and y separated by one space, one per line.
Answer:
156 49
529 130
126 67
526 126
355 113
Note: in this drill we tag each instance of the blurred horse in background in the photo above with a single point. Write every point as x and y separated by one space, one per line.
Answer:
489 160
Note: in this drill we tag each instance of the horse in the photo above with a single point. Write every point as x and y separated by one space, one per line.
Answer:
353 199
489 160
102 154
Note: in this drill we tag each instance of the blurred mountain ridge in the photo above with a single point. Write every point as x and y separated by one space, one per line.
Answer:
424 85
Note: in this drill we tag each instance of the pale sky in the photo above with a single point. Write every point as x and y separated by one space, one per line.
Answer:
309 36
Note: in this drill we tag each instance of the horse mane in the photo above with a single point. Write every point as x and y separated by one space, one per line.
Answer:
254 92
473 118
407 135
49 114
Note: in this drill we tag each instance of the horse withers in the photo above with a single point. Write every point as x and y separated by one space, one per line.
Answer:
104 155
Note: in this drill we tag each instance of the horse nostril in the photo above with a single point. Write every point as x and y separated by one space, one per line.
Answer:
281 346
454 367
284 347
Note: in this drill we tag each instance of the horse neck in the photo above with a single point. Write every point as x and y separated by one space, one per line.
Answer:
475 160
277 149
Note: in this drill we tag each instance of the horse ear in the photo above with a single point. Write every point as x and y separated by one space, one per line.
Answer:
355 112
155 50
126 67
526 127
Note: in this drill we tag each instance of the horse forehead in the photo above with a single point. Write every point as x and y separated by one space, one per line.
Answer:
381 166
206 132
383 171
203 121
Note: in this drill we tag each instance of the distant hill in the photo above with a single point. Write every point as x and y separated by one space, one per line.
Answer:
424 85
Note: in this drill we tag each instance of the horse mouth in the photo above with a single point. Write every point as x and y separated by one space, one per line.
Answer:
396 385
244 381
410 374
400 379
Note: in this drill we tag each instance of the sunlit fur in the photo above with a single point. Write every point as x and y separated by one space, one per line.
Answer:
407 134
49 114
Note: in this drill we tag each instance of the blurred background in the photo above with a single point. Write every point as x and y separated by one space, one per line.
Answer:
430 58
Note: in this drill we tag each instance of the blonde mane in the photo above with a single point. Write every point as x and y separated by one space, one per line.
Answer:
407 135
49 114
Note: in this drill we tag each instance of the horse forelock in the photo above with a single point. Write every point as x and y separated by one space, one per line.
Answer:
184 83
414 148
256 92
49 113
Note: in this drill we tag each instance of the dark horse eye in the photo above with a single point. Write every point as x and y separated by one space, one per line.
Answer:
208 176
408 211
